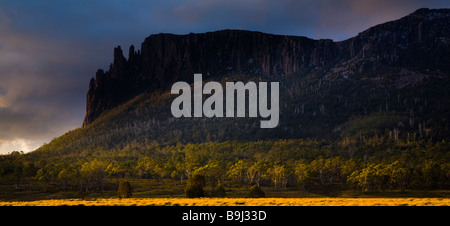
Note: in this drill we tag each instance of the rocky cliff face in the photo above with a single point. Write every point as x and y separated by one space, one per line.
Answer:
118 84
421 40
167 58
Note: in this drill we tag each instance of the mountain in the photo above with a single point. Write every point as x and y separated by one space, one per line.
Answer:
421 37
371 112
391 78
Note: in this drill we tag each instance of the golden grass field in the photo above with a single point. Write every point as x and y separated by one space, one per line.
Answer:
236 202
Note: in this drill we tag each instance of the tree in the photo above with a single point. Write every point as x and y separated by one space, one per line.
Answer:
430 172
93 175
194 187
179 170
382 176
18 174
43 178
278 175
333 168
212 172
318 169
255 192
372 177
219 191
146 167
255 172
124 190
237 171
445 181
400 175
67 178
305 177
119 169
349 167
29 172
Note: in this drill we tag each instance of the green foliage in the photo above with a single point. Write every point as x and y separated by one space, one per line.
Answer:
255 192
368 164
124 190
93 175
212 171
194 187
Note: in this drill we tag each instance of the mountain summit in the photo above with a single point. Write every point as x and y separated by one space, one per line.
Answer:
419 41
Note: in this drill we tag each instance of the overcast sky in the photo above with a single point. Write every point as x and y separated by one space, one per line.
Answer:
50 49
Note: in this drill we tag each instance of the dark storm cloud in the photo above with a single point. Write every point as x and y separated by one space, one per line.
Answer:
50 49
281 17
346 18
333 19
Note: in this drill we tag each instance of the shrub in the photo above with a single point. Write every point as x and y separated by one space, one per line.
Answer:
124 190
219 191
194 187
255 192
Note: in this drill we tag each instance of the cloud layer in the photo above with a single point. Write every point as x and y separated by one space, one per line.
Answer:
50 49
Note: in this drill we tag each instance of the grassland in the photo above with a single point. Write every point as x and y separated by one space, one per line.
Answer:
236 202
148 192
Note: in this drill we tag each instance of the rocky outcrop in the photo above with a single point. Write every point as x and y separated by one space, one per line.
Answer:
421 39
118 84
167 58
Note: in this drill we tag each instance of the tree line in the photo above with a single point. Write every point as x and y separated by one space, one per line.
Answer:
366 164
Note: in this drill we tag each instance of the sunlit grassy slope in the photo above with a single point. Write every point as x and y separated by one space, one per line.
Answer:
238 202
